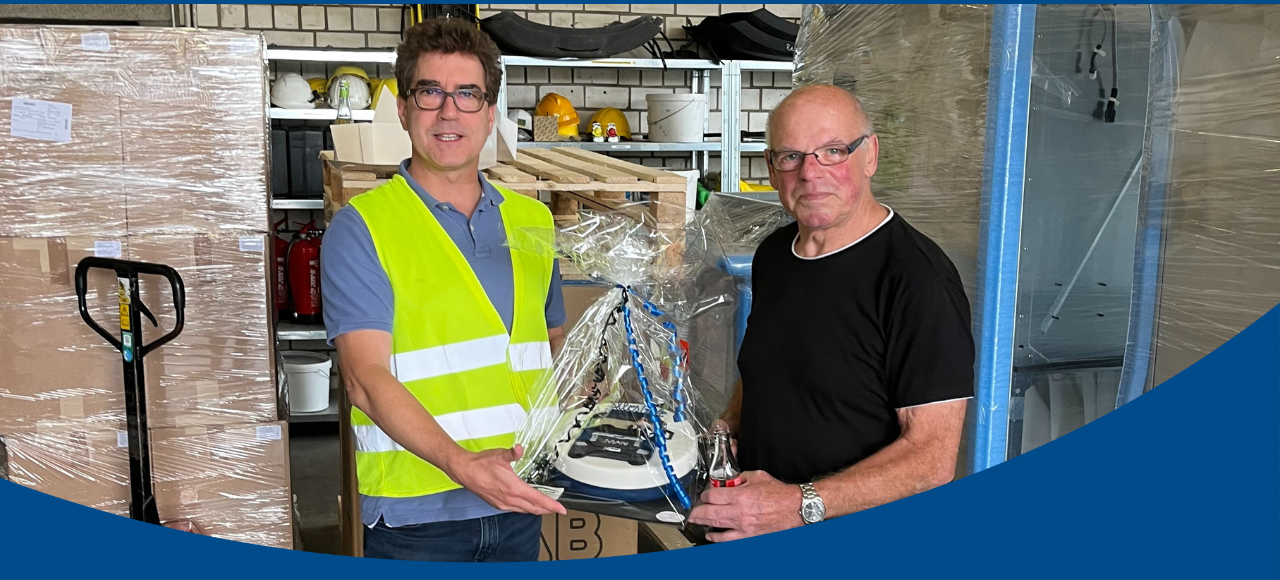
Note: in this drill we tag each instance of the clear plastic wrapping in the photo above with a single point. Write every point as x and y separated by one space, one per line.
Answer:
132 130
921 73
1147 212
230 481
1220 263
618 425
142 144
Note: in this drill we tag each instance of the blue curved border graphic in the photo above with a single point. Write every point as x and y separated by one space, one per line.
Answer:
1183 482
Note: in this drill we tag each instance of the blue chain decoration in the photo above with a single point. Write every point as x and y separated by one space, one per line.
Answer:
677 357
659 431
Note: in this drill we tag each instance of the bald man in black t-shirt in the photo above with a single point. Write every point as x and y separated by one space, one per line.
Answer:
857 363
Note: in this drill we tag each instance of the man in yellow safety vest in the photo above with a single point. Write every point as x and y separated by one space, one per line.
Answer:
440 327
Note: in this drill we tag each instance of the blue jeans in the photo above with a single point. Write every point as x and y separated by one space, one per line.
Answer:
500 538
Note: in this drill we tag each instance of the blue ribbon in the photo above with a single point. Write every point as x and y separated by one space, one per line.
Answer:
660 435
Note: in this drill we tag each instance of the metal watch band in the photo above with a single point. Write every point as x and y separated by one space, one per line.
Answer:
808 496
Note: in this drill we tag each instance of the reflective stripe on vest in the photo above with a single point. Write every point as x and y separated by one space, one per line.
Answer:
463 425
472 354
450 348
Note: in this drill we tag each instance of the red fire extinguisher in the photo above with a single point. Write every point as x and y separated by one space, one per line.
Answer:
281 252
304 274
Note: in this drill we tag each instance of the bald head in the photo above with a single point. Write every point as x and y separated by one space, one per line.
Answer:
818 100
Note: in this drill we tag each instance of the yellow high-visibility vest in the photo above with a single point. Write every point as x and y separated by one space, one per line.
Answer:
449 346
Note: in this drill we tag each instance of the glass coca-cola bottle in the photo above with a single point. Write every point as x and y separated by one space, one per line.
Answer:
723 469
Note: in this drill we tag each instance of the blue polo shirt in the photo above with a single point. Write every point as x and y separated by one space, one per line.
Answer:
357 296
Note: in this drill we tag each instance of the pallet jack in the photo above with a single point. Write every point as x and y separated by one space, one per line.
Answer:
142 504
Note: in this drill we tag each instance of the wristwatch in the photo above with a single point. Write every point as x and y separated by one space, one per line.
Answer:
812 510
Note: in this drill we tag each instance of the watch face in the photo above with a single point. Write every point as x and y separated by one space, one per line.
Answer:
813 512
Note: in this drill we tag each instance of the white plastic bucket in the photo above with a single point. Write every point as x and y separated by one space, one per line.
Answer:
676 118
308 380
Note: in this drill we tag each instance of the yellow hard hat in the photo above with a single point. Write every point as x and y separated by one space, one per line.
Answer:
319 85
559 107
348 70
744 186
611 115
391 84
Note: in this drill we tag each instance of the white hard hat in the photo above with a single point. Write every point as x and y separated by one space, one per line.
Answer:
291 91
357 91
521 118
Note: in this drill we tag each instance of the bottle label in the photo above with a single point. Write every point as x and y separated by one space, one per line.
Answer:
735 482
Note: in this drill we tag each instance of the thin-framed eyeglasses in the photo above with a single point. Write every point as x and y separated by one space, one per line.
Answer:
826 155
432 98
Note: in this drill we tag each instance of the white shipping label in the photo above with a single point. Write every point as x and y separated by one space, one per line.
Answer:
251 244
106 249
98 41
269 432
551 492
44 120
122 438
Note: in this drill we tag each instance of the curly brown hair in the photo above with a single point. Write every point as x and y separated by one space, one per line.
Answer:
449 36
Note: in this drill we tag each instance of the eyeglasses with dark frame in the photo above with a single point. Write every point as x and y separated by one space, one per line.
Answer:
432 98
827 155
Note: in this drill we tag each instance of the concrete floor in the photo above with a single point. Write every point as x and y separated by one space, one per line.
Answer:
315 468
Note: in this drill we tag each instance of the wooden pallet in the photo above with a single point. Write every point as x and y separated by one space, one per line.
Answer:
344 180
579 178
575 178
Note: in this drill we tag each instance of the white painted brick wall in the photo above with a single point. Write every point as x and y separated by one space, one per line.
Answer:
389 20
596 76
364 19
286 17
769 98
653 8
537 75
601 97
561 75
231 16
313 18
638 96
587 20
340 39
207 15
259 16
523 96
698 9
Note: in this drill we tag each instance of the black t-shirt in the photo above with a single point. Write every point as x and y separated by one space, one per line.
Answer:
835 345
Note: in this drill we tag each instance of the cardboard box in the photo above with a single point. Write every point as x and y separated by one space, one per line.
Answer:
382 142
54 367
195 130
221 368
57 370
232 482
88 467
60 164
580 535
138 130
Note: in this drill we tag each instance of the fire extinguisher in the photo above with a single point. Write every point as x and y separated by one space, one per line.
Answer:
304 274
281 253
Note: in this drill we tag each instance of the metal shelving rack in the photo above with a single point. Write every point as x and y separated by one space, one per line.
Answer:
730 150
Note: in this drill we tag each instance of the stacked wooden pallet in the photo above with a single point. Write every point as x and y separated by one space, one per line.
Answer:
577 178
345 180
574 178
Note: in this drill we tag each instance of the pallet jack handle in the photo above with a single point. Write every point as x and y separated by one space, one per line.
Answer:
142 504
